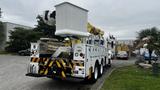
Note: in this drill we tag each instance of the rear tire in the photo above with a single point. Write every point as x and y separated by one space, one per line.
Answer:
105 62
109 63
101 69
95 74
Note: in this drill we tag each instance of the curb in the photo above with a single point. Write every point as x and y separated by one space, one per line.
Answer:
106 76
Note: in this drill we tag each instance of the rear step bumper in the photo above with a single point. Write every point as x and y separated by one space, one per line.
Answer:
34 75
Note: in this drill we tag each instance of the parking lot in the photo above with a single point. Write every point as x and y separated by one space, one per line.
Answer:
14 68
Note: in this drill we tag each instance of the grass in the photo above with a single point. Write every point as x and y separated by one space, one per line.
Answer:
5 52
132 78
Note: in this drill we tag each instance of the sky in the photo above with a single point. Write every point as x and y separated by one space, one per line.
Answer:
121 18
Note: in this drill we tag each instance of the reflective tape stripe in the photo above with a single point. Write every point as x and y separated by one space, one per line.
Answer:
38 60
46 61
33 59
50 64
46 71
63 74
63 63
58 64
70 65
41 71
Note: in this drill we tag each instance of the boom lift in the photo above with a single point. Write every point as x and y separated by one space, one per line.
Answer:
80 55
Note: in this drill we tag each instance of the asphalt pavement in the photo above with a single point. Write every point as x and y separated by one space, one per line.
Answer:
14 68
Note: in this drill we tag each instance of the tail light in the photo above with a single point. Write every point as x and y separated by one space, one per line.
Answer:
82 55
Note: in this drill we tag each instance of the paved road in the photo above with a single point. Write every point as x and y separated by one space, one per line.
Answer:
13 70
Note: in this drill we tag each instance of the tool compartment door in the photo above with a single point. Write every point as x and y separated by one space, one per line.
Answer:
88 60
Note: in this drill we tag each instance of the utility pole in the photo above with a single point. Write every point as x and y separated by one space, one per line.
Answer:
0 13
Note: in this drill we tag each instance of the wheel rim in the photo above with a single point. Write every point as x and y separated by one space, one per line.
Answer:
95 73
101 70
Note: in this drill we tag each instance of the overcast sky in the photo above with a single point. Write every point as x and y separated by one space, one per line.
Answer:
122 18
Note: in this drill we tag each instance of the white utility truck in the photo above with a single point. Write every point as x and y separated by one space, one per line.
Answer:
81 54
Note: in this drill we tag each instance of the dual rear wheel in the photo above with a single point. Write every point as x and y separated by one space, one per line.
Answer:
99 70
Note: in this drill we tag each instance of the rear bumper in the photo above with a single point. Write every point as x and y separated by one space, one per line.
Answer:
54 76
44 67
34 75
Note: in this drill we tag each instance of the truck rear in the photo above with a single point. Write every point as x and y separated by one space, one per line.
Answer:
51 58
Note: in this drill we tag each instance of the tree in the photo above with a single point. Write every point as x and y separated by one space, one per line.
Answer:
47 30
154 34
20 39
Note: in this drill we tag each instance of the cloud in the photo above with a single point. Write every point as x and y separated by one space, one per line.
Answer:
123 18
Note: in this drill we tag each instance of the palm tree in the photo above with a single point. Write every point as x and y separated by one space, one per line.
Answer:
154 37
151 36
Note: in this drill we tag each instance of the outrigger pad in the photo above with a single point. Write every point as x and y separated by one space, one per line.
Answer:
34 75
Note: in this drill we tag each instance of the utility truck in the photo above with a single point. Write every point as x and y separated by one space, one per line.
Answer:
83 52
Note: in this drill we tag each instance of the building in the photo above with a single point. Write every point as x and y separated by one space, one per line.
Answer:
8 26
125 45
127 42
